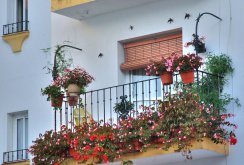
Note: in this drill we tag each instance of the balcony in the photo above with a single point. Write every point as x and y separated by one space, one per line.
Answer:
82 9
98 106
15 34
18 157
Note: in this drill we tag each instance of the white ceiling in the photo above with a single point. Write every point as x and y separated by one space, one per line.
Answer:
100 7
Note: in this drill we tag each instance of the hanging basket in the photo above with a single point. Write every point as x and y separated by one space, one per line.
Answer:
187 77
57 102
201 48
167 78
73 90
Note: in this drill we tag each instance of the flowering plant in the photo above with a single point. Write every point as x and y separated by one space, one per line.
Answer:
50 148
76 76
183 119
198 43
188 62
165 65
93 141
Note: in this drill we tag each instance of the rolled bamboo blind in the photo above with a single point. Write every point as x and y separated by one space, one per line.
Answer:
140 53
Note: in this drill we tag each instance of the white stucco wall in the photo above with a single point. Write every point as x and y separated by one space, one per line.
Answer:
22 76
102 33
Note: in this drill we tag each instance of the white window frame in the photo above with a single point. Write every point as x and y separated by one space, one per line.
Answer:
15 135
13 10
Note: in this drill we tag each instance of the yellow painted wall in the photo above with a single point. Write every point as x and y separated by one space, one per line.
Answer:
206 144
62 4
16 40
19 163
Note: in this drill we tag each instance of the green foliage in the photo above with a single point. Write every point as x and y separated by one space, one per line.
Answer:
62 63
219 65
52 91
210 87
128 162
123 108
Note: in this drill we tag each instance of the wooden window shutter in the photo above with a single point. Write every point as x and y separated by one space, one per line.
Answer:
140 53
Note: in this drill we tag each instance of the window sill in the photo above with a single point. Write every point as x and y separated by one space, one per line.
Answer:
26 162
15 40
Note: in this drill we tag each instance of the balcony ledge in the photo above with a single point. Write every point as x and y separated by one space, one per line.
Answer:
204 149
27 162
15 40
59 5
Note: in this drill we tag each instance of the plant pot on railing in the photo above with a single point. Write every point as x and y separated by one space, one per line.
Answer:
167 78
72 99
73 90
57 101
187 77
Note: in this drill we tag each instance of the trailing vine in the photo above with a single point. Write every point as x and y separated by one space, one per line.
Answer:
62 63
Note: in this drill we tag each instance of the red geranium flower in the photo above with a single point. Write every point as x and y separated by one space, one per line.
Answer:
102 137
87 147
93 137
233 140
105 158
86 157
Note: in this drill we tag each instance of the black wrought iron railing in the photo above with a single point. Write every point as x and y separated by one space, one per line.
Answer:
15 156
15 27
99 104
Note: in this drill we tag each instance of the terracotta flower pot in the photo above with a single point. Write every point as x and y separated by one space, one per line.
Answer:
73 90
72 100
167 78
187 77
57 102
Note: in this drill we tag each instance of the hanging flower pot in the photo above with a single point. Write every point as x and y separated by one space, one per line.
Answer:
187 77
201 48
72 99
57 101
73 90
167 78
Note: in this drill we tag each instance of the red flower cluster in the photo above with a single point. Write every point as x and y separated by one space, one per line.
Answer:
168 125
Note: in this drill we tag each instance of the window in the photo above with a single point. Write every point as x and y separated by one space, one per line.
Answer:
146 92
22 135
17 16
140 52
17 136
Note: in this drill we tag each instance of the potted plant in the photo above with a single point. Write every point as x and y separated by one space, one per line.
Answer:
164 68
123 108
198 43
186 64
55 94
74 80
